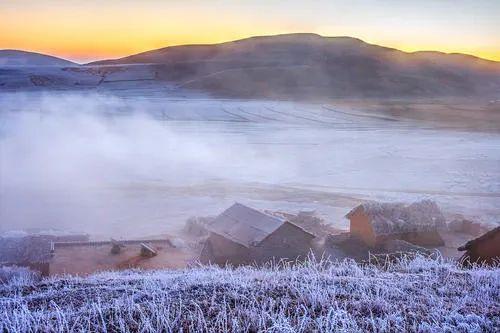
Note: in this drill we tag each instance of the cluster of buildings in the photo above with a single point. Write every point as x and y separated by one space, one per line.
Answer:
242 235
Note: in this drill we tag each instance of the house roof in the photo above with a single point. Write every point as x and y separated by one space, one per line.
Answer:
394 218
490 234
245 225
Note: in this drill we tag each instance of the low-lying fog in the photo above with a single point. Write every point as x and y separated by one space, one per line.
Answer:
106 165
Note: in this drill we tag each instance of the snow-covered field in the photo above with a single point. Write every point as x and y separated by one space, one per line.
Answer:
420 295
131 165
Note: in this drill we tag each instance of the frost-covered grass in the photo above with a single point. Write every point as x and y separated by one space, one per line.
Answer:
421 294
17 275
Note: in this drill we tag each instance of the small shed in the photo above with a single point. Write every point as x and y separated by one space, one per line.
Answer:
483 250
417 223
242 235
29 251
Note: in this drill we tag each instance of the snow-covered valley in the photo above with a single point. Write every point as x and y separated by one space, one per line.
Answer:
127 165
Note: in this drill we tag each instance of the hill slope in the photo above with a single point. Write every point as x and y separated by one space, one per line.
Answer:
24 58
309 65
421 295
293 66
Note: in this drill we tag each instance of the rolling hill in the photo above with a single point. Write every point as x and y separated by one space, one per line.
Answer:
309 65
24 58
292 66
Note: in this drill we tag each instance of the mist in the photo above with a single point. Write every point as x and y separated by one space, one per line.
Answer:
136 167
73 162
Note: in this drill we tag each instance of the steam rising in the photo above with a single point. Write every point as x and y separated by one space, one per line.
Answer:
64 165
116 166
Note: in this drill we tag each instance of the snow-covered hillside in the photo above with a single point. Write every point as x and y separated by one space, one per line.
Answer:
419 295
33 59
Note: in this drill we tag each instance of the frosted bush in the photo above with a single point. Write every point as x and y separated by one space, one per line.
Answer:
17 275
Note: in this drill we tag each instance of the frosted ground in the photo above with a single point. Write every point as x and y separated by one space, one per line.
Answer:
419 295
130 165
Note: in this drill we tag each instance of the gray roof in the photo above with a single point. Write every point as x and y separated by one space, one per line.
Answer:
245 225
393 218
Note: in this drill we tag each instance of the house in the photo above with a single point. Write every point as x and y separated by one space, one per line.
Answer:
29 250
417 223
465 226
242 235
483 250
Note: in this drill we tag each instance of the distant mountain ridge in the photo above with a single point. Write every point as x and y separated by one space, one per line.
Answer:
290 66
199 52
26 58
309 65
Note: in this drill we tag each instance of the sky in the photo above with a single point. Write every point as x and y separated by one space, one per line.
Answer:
99 29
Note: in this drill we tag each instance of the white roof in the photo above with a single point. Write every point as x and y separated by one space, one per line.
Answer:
245 225
393 218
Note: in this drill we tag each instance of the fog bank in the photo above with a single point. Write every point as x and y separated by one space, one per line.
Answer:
108 165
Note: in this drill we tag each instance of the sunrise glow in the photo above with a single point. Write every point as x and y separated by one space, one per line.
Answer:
89 30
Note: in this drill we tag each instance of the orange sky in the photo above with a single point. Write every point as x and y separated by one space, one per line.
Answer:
92 29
